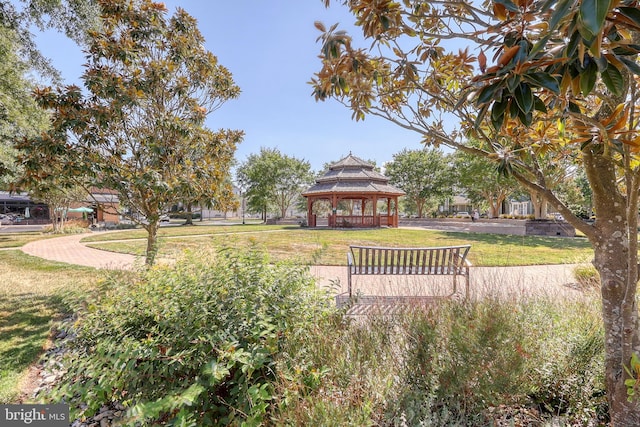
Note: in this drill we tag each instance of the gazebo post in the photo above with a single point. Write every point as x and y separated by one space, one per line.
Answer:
376 219
310 222
334 210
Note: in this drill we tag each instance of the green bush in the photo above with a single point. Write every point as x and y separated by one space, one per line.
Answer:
190 344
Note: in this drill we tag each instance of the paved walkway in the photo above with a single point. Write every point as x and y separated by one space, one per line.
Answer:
516 282
70 250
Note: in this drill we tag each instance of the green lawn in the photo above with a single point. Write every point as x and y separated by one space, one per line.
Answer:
15 240
30 290
329 247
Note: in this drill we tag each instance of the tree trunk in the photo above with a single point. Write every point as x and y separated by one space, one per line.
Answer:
614 237
540 206
618 275
420 206
152 243
188 214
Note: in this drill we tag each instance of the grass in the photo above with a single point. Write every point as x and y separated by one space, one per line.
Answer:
29 299
15 240
329 247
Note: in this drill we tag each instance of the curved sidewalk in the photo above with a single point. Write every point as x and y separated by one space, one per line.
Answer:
70 250
516 282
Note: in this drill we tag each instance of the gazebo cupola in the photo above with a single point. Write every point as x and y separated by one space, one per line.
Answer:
354 180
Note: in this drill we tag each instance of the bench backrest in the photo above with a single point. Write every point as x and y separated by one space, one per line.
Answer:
380 260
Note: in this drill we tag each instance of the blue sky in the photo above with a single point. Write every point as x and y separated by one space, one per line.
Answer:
270 48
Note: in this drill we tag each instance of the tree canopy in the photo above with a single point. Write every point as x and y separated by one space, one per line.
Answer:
272 180
424 175
527 80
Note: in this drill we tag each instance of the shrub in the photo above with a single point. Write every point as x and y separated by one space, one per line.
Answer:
72 226
190 344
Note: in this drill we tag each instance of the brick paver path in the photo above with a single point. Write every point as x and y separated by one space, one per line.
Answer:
70 250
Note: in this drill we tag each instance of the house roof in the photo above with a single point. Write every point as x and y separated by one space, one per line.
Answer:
352 175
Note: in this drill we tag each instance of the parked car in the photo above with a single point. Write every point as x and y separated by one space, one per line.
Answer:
165 218
462 215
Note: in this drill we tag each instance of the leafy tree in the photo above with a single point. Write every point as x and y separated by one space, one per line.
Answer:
533 79
19 115
150 84
226 200
72 17
477 178
203 180
20 61
424 175
273 179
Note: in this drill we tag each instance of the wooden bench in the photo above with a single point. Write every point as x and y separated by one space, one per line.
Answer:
380 261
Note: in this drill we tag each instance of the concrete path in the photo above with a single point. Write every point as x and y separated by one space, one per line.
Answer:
512 282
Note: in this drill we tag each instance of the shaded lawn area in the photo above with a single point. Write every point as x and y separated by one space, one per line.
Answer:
30 298
329 246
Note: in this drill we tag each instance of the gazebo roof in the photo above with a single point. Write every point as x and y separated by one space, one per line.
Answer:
352 175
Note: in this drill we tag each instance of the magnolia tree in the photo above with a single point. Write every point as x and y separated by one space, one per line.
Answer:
139 129
529 80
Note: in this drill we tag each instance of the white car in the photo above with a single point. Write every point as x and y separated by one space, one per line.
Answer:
165 218
462 215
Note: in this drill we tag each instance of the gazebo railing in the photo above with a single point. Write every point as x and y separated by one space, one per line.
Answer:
355 221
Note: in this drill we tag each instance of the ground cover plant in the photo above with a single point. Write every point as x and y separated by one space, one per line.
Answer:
30 297
284 242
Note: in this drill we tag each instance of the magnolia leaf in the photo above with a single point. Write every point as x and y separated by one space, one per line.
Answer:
512 82
488 93
544 80
509 5
592 15
513 110
498 113
561 12
540 44
539 105
631 64
499 107
613 79
525 118
524 98
588 78
574 108
632 13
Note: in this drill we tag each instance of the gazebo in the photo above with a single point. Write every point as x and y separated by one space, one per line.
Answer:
354 190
